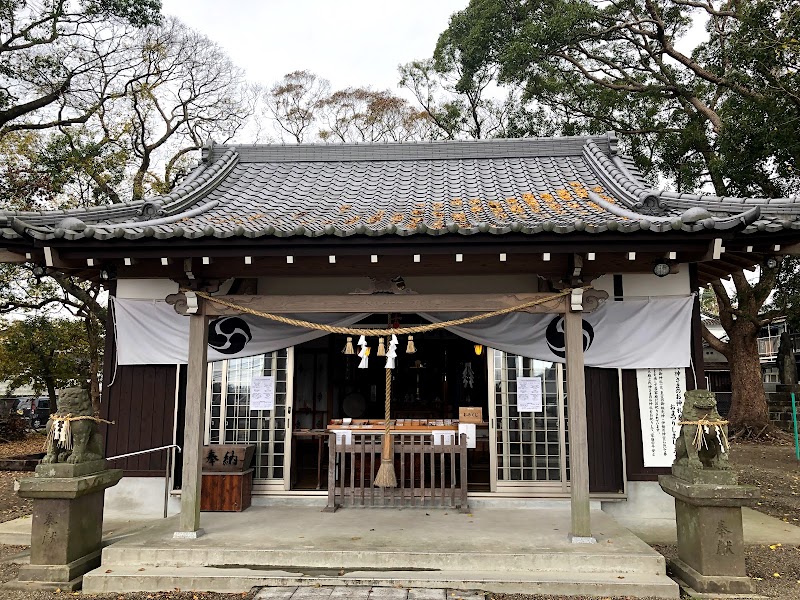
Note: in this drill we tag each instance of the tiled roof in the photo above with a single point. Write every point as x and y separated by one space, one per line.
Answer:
526 185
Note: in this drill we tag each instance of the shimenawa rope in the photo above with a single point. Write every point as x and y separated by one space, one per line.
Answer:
703 426
381 332
60 431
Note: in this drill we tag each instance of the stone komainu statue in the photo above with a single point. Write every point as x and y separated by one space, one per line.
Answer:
703 440
71 436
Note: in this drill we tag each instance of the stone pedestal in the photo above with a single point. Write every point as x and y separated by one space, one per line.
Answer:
710 541
67 523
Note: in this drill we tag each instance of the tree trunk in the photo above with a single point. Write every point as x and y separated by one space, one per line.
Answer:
749 414
94 340
50 383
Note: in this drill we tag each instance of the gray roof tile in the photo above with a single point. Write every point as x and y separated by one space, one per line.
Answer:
530 185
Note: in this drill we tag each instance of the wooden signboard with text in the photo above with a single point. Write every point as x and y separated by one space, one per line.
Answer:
470 414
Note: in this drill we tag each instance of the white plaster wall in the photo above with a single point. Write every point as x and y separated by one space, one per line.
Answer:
647 284
605 283
711 355
146 289
469 284
135 498
646 500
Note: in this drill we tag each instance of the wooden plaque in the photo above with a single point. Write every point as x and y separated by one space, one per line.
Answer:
228 457
470 414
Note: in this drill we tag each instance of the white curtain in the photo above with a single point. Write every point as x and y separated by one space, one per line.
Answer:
150 332
632 334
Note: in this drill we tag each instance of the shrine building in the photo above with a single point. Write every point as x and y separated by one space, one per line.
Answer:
239 298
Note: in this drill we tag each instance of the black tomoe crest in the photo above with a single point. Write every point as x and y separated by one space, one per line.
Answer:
556 339
229 335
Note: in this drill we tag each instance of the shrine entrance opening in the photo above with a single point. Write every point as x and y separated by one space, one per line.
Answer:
429 386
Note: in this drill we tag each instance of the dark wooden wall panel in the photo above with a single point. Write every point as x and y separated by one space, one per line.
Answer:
604 432
141 402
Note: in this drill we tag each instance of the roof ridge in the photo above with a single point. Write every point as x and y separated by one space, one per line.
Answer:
423 150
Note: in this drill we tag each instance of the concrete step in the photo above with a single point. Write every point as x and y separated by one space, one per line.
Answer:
545 559
120 579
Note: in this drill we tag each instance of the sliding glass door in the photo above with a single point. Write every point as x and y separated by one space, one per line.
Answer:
530 449
229 419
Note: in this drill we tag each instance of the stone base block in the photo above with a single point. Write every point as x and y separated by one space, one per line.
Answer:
67 525
70 470
710 538
705 476
44 586
582 539
714 584
66 577
189 535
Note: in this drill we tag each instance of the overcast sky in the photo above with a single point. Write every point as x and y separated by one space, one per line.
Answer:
349 42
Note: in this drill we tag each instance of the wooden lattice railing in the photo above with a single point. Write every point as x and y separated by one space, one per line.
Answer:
428 475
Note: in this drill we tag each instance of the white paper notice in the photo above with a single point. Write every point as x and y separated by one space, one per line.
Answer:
469 429
660 405
343 436
529 394
441 438
262 393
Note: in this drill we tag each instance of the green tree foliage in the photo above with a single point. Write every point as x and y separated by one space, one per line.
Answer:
705 93
722 111
44 353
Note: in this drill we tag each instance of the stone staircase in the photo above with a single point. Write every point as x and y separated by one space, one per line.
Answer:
413 556
231 570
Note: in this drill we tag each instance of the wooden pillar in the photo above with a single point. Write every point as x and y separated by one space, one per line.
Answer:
194 426
580 529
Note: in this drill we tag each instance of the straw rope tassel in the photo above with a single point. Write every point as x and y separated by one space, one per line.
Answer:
348 347
386 477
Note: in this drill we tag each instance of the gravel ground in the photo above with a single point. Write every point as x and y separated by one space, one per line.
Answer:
775 569
11 505
776 471
32 444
